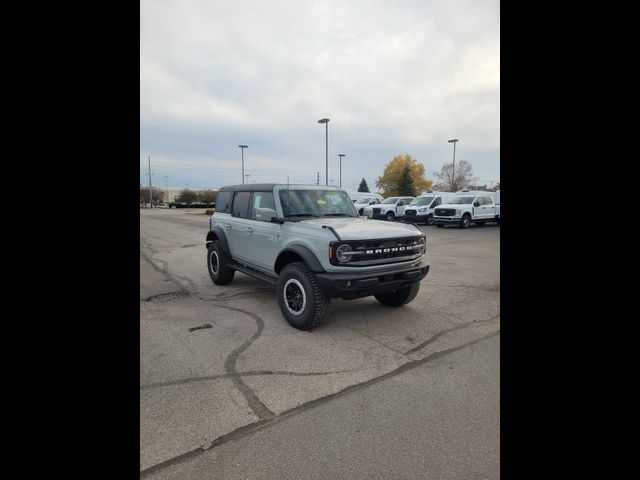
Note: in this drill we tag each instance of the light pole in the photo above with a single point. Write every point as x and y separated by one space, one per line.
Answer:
453 140
326 125
242 147
341 155
247 175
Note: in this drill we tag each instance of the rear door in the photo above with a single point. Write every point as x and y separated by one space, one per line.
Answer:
238 225
264 241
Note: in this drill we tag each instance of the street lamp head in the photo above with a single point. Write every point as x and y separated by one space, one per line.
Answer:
324 120
342 154
453 140
243 146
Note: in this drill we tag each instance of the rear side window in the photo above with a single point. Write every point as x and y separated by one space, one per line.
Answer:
240 206
223 201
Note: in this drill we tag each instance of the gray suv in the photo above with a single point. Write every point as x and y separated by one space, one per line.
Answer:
310 243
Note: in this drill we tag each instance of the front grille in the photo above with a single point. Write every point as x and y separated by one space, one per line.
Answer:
445 212
409 212
371 252
376 211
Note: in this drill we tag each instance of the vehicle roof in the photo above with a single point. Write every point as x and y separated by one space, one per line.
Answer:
261 187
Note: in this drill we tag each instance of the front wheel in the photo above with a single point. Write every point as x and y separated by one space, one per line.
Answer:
399 297
466 221
390 217
429 220
302 303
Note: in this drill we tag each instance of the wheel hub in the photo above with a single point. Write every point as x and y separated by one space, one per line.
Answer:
294 297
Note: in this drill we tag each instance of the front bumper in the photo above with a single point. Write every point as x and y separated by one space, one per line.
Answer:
415 218
350 285
446 220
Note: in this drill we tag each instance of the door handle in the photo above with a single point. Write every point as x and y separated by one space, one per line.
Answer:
228 225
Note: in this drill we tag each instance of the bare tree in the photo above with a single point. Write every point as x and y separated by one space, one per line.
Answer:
463 176
207 196
157 195
187 196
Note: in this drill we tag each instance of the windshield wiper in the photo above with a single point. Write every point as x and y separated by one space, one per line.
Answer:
337 215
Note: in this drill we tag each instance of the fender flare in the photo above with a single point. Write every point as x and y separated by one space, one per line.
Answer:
216 233
307 255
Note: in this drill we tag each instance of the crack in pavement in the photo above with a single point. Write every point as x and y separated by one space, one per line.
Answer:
259 408
263 423
169 296
432 339
253 373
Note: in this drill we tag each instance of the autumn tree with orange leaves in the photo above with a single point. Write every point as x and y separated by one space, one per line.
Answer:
390 180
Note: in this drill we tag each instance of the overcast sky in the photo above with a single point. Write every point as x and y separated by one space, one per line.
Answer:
393 77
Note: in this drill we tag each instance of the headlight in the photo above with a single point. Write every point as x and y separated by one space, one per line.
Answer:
421 246
341 251
422 209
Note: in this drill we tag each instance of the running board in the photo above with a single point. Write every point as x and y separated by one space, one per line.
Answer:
254 273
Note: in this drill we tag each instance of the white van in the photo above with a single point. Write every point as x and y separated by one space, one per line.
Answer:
421 208
356 197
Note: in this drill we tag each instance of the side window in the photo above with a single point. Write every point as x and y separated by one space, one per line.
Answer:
223 201
263 206
436 202
240 206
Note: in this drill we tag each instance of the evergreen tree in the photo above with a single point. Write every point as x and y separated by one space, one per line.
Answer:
406 186
363 186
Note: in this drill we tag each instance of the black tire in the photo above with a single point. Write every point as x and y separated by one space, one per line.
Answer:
429 220
218 265
439 225
399 297
466 220
302 303
360 211
390 217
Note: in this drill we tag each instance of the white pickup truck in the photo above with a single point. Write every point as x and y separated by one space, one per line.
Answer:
390 209
467 208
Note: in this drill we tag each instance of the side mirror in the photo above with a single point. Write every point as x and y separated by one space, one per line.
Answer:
400 203
476 203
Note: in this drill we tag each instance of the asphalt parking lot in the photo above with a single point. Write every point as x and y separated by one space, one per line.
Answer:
226 382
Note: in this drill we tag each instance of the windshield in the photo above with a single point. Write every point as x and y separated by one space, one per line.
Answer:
421 201
461 200
390 200
316 203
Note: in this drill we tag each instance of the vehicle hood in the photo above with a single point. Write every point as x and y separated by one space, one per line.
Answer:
364 229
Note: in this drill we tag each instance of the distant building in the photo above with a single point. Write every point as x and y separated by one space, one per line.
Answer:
478 187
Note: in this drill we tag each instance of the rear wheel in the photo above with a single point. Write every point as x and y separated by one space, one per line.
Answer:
302 303
218 265
399 297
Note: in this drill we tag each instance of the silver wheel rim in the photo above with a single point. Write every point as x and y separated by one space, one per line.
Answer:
214 261
294 297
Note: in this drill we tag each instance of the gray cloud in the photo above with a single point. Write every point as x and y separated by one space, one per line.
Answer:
393 77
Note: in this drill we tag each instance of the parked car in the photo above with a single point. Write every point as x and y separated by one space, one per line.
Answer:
421 208
467 208
389 209
309 242
365 202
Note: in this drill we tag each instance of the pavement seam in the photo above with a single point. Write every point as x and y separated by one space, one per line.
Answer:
254 427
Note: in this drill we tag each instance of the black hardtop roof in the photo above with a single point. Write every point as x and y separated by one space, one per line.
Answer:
263 187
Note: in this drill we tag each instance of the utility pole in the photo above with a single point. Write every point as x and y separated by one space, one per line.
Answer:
166 188
150 198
